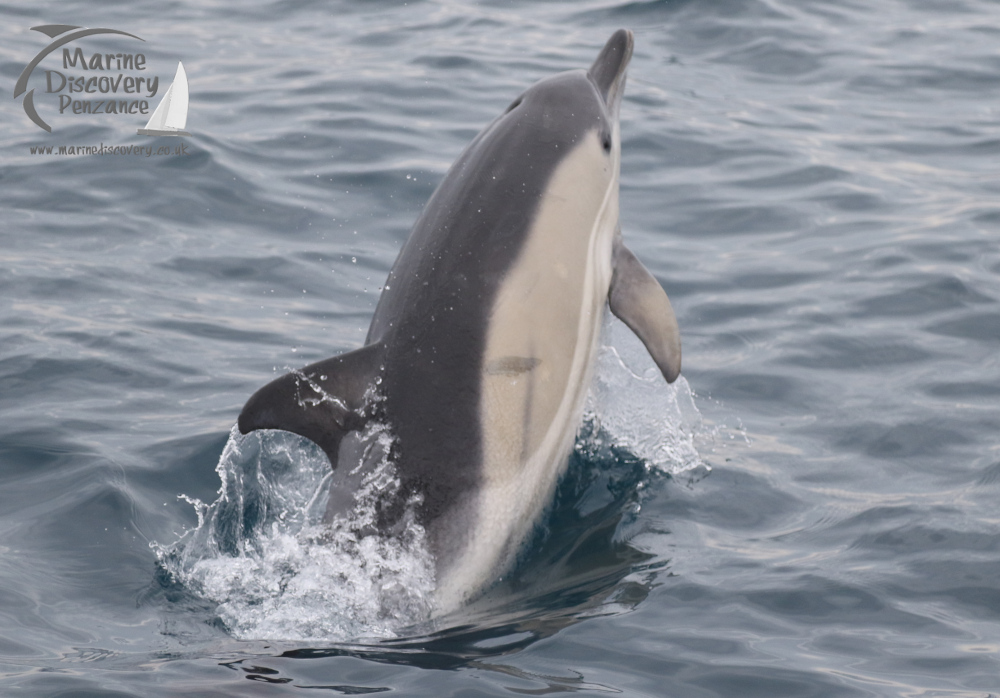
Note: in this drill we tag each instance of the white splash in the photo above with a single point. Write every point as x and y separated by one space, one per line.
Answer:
632 403
276 572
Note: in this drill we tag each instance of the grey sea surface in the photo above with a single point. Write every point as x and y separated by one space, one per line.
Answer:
813 510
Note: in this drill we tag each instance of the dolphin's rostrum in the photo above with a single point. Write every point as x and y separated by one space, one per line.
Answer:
483 344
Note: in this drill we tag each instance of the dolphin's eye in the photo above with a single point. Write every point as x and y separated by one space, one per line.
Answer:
606 142
514 104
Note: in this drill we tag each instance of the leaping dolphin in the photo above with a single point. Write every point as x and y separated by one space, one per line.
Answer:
484 341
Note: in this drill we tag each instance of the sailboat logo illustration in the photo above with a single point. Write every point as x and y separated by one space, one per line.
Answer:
170 115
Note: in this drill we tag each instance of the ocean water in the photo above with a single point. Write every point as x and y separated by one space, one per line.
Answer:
811 510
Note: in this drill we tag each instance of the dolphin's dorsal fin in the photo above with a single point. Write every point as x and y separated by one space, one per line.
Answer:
322 402
638 300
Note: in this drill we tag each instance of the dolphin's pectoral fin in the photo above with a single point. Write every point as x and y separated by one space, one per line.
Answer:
638 300
322 402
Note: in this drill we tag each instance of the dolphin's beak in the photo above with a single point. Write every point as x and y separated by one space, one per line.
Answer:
608 71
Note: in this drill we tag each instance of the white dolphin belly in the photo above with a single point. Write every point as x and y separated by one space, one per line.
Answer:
538 363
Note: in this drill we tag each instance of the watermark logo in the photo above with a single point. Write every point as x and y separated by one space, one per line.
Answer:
104 83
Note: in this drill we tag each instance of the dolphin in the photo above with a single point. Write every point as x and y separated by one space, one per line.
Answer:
484 341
